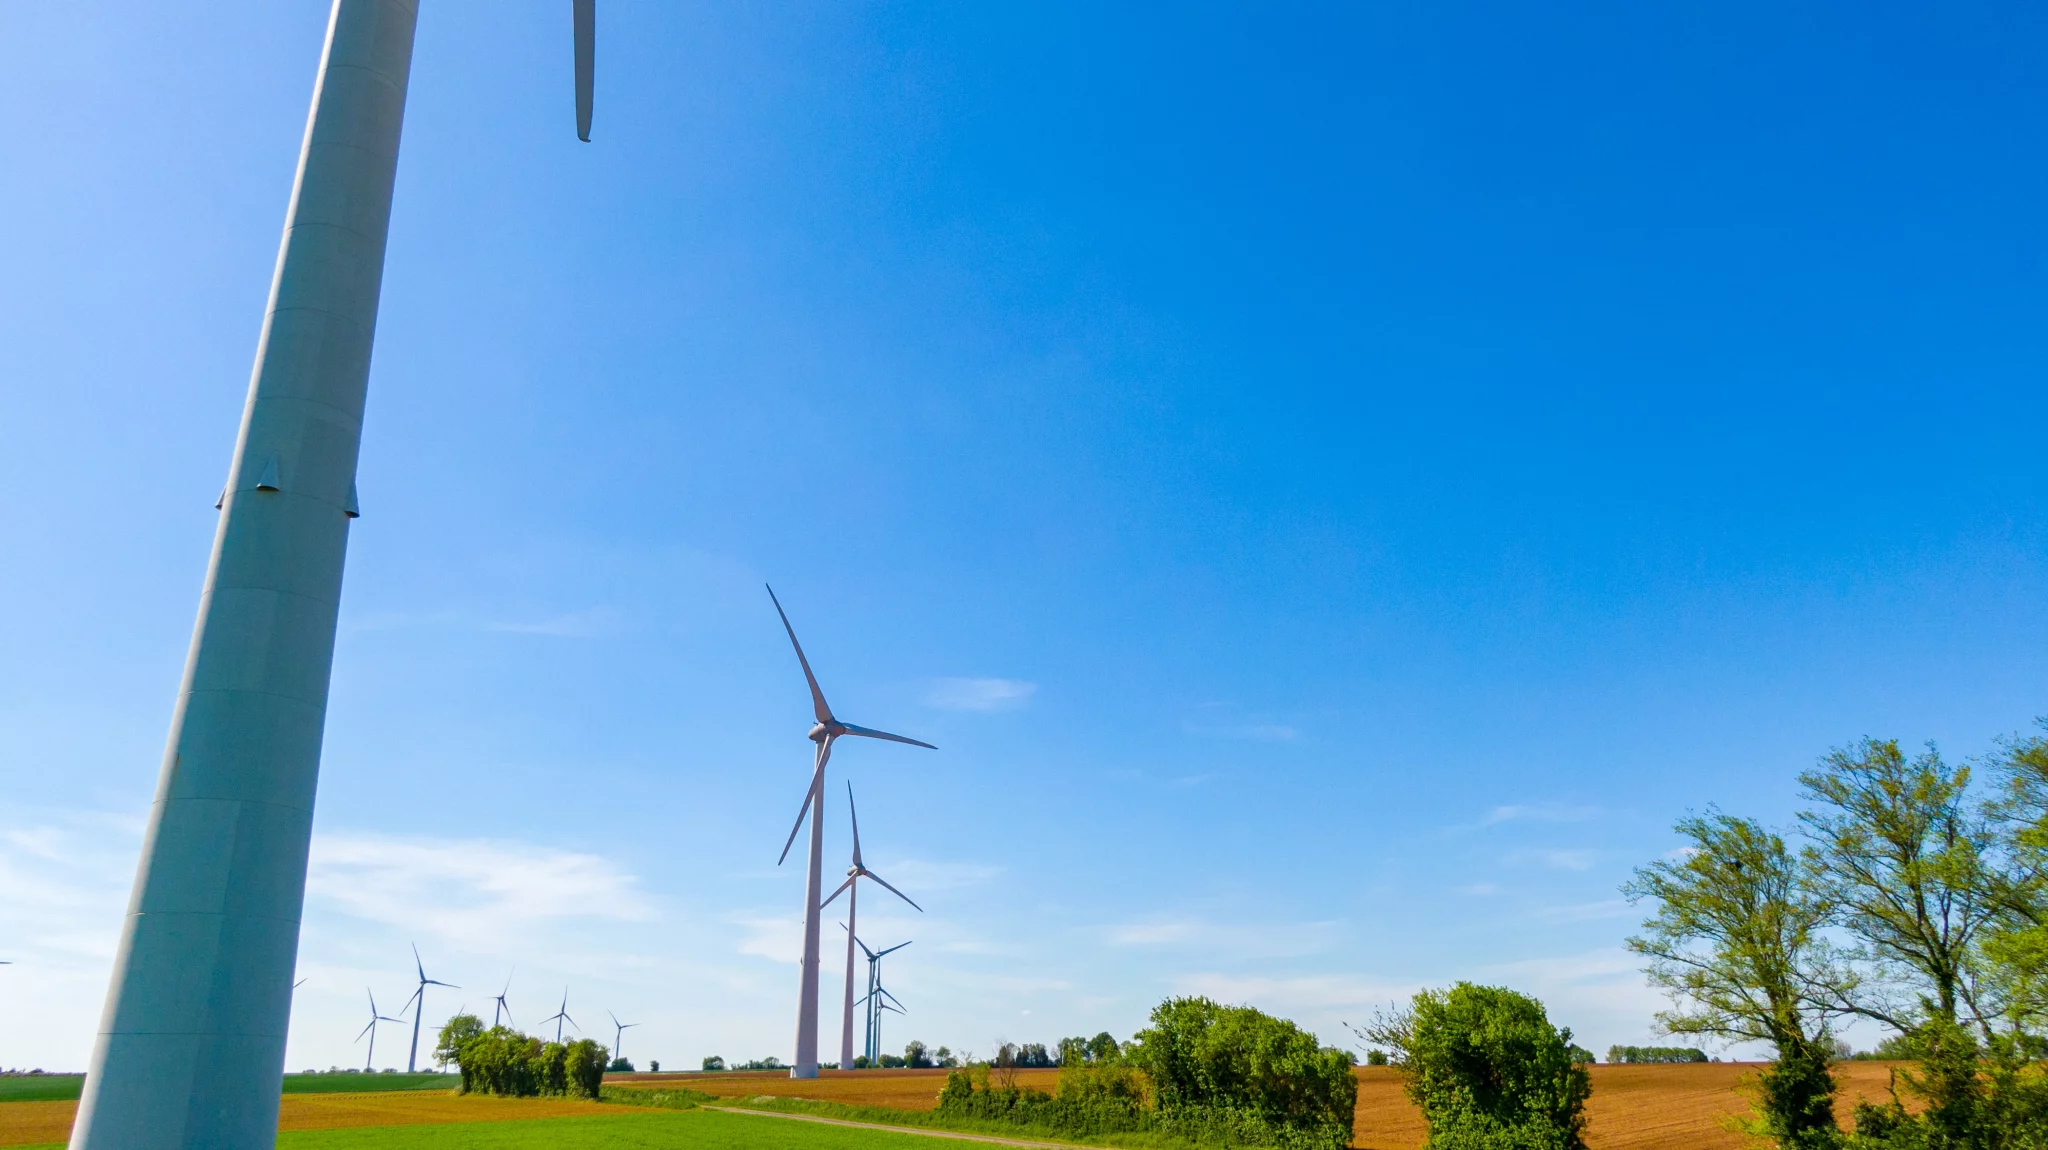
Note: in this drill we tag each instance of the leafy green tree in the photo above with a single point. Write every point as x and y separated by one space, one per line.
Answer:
1103 1048
1736 941
713 1063
1901 851
1488 1070
915 1054
458 1030
1237 1061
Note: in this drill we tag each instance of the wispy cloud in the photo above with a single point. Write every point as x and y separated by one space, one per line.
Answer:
467 889
1586 911
1152 933
979 694
1555 859
572 625
915 875
1305 993
1257 732
1540 813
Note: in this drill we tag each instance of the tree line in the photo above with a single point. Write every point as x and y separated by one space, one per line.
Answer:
1913 893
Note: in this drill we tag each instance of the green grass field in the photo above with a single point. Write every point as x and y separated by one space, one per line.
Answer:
40 1087
66 1087
640 1130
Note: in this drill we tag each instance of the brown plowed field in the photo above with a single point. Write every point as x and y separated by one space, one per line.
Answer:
27 1123
1681 1107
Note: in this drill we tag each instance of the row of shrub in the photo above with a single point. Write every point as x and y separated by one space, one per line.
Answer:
503 1061
1202 1073
1656 1054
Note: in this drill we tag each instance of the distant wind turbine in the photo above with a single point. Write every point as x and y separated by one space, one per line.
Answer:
851 888
878 999
827 730
418 1002
370 1056
619 1030
502 1006
561 1016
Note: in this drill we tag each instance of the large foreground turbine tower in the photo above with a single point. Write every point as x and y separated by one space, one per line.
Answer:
190 1048
824 733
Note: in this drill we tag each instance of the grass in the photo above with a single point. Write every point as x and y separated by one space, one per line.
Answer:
40 1087
362 1083
639 1130
66 1087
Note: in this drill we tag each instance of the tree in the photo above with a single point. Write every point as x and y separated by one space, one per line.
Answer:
915 1055
1901 852
1103 1048
1234 1060
714 1063
1487 1070
2016 947
1736 941
458 1030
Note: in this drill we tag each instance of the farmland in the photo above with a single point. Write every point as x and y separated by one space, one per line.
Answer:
1680 1107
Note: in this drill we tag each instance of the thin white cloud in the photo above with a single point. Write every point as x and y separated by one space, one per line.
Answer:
1540 813
1586 911
1555 859
979 694
572 625
1152 933
466 890
915 875
1257 732
1298 994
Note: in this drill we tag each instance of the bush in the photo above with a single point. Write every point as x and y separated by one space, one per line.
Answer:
1246 1075
1488 1070
505 1062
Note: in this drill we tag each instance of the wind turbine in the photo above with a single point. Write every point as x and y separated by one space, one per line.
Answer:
370 1056
851 888
826 731
878 999
619 1030
419 1002
502 1006
561 1016
204 962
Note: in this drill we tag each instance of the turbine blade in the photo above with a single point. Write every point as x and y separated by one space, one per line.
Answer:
894 891
416 963
416 995
365 1030
853 730
897 947
817 776
855 813
585 18
824 712
450 985
836 894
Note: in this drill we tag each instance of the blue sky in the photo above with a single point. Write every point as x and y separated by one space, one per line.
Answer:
1335 483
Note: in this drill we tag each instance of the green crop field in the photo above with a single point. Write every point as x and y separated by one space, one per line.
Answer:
658 1130
641 1130
354 1083
40 1087
66 1087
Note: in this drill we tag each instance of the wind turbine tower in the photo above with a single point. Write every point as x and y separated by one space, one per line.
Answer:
370 1056
619 1030
878 1000
851 888
561 1016
502 1007
192 1038
825 732
418 1002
